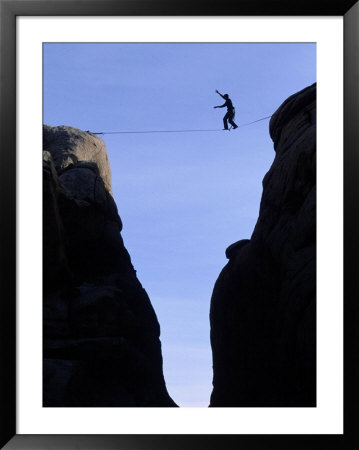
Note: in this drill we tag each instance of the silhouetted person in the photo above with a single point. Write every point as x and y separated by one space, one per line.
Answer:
230 111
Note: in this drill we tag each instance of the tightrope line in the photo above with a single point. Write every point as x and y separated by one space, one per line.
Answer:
171 131
151 131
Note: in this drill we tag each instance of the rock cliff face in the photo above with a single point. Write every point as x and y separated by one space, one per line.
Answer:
263 307
101 342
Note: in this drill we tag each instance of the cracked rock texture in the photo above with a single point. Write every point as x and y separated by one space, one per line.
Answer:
101 343
263 307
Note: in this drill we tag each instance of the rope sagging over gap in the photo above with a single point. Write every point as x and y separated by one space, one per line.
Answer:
172 131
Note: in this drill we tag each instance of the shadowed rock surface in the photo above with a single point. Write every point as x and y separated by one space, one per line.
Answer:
263 307
101 342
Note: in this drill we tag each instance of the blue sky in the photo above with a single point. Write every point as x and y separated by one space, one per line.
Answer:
183 197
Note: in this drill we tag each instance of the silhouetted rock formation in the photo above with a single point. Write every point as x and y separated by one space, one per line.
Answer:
101 335
263 307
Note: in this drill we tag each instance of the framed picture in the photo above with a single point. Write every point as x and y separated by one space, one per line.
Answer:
60 386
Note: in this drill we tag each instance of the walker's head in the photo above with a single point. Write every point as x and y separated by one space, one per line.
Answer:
226 96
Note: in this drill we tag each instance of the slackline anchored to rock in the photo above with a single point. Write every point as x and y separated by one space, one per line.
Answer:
170 131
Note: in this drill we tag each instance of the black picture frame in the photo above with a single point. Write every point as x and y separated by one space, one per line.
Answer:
9 10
